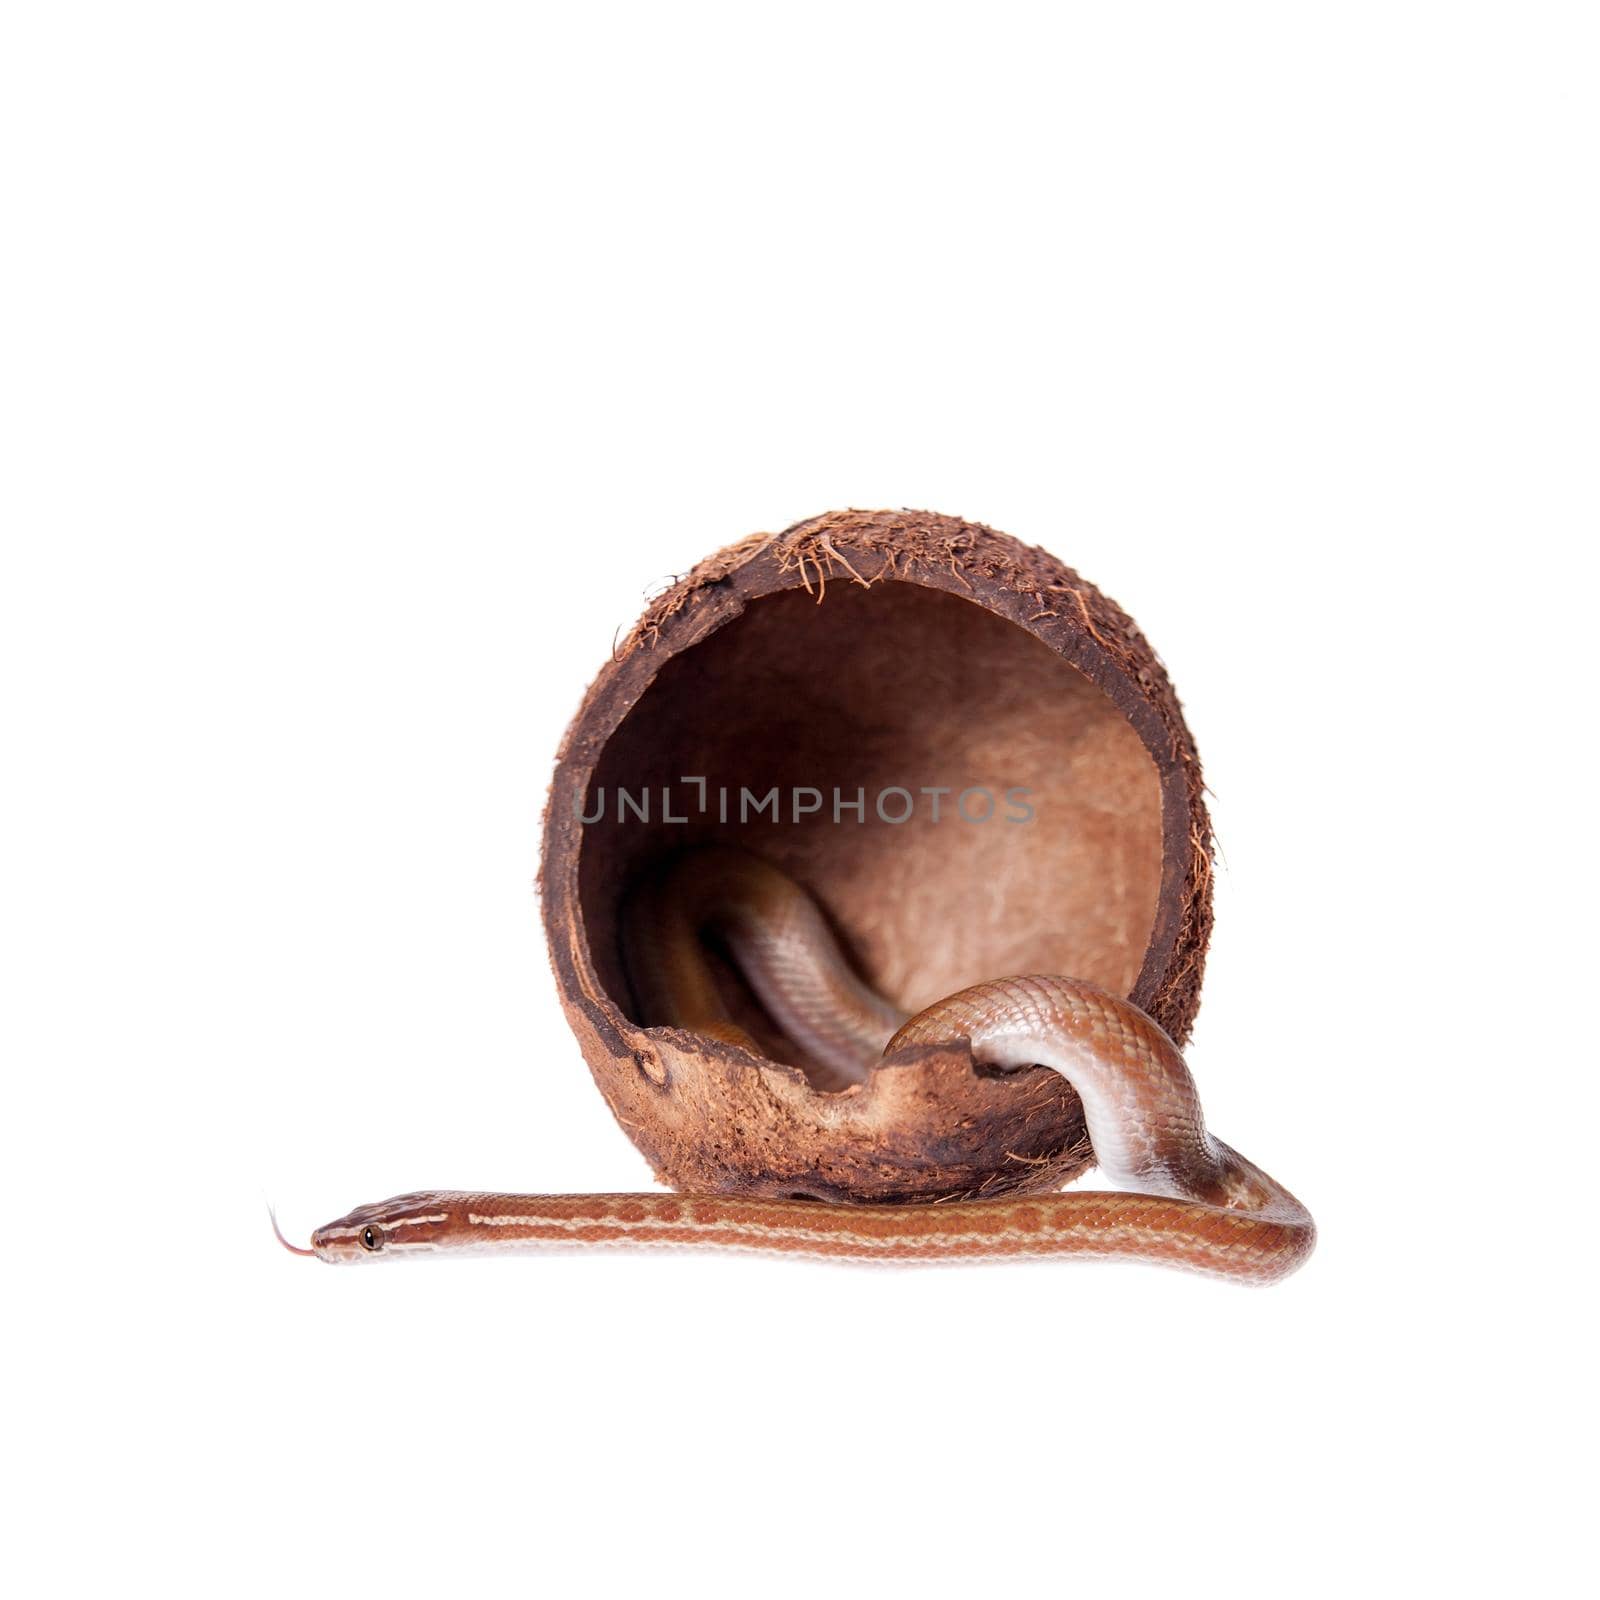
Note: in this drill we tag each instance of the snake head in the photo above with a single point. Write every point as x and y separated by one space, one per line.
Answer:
407 1224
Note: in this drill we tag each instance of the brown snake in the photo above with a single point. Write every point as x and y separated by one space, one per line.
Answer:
1183 1198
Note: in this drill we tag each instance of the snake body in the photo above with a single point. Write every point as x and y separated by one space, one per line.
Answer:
1183 1198
782 945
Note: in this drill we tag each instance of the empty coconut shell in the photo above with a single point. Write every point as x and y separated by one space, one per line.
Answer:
1056 824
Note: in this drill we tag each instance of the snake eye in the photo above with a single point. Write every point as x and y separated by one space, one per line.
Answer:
371 1237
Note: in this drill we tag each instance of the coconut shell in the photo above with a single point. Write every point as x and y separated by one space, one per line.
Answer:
876 651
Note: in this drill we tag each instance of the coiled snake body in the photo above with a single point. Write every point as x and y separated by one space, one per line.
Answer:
1183 1198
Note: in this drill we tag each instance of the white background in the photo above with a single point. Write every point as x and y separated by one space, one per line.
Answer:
364 367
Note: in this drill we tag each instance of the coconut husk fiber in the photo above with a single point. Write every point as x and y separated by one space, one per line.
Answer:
869 650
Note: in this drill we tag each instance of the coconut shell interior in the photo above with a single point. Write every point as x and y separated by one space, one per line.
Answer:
1055 825
885 694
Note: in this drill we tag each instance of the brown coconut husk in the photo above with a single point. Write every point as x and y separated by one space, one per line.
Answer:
866 650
